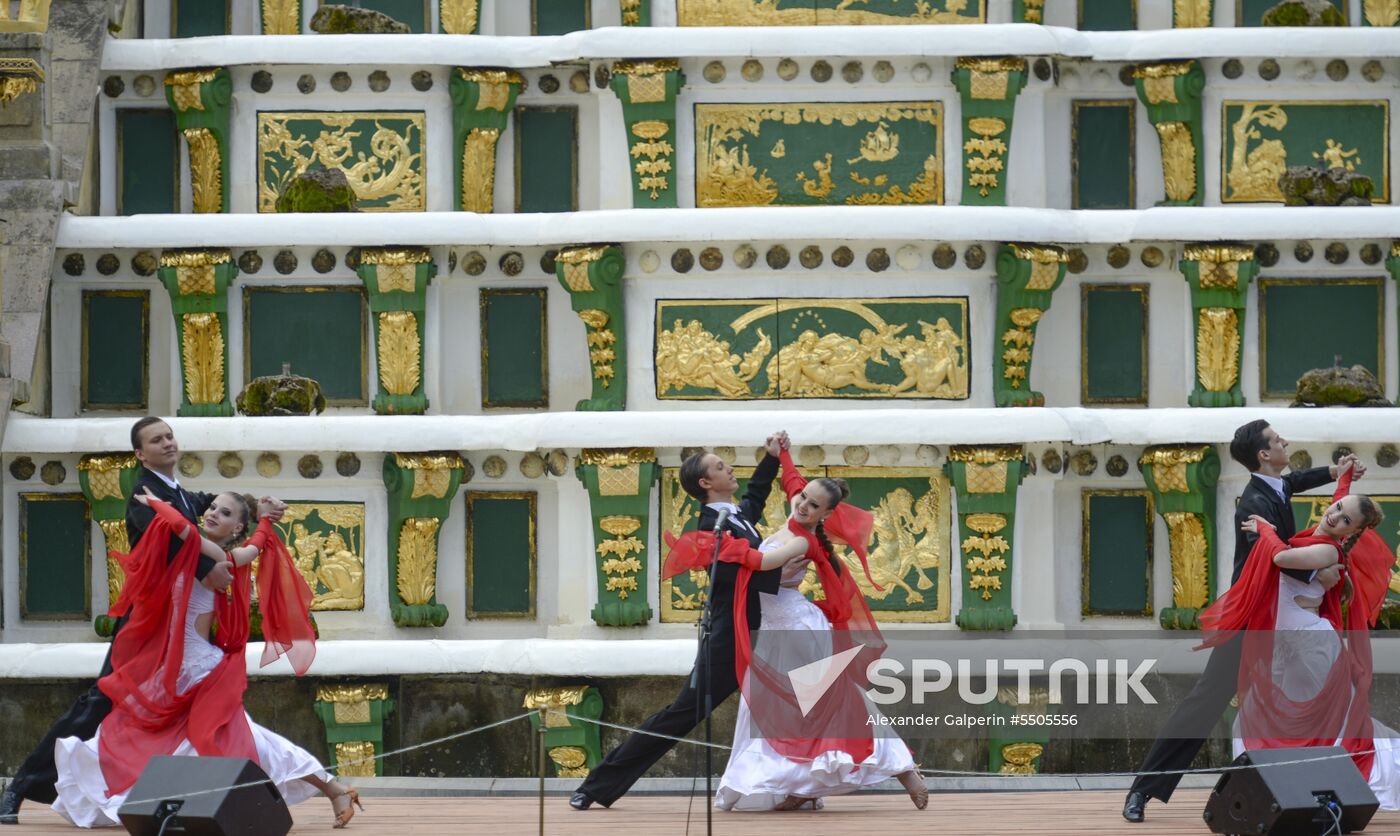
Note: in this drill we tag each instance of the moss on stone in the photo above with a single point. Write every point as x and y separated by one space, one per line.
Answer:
349 20
1305 185
317 190
284 394
1338 386
1303 13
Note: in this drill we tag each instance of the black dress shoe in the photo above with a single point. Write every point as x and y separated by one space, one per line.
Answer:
1133 806
580 800
9 807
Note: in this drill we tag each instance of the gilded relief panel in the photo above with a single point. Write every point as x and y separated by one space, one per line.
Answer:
758 349
327 542
908 552
1260 139
838 12
796 154
380 152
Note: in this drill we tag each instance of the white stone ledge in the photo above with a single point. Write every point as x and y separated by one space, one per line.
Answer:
777 223
795 41
740 427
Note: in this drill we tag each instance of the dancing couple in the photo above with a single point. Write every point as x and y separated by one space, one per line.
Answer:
1290 634
167 687
756 587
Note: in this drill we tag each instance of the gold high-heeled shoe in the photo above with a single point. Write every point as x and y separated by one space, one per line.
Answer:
345 814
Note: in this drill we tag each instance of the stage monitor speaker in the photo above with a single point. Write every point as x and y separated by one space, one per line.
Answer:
178 788
1296 798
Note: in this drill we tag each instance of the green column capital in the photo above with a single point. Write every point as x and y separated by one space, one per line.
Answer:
200 99
986 479
572 743
1182 479
1219 276
107 481
1027 276
647 90
482 99
354 717
593 277
397 280
421 487
619 498
197 281
1171 90
988 88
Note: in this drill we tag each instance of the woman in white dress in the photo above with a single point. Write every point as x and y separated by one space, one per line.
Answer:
769 773
1305 669
176 692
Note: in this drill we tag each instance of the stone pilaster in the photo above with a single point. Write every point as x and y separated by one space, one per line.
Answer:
988 88
1192 14
460 17
619 498
397 281
280 17
198 281
200 99
1172 92
635 12
572 744
482 99
986 480
107 480
421 487
1219 275
1027 276
648 92
593 277
1182 478
354 718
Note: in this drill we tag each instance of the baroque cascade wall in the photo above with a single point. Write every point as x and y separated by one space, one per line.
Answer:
1015 269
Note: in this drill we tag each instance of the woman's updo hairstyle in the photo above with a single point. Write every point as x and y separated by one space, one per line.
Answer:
839 491
1371 517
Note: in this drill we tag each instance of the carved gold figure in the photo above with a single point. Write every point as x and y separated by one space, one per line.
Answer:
327 544
385 172
1254 172
908 538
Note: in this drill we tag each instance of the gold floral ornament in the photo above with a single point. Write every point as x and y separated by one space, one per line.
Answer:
281 17
985 566
399 361
19 76
622 567
1190 589
1381 12
417 581
658 153
202 339
1017 343
1035 11
459 17
1218 348
985 153
380 153
1019 758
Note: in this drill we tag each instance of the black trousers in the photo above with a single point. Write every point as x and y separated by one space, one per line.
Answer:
35 778
1184 734
629 761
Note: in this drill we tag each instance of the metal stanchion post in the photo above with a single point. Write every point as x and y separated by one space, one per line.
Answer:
542 760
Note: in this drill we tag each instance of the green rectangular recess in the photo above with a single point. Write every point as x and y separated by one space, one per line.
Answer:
1117 552
414 13
148 162
1103 164
116 349
546 159
514 347
1292 339
1107 15
501 529
55 531
1113 337
1249 12
198 18
321 330
560 17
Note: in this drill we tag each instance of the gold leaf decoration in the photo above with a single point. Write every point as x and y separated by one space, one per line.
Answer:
399 363
479 170
1218 348
202 350
114 532
1188 546
1381 12
459 16
206 176
1178 159
281 17
417 581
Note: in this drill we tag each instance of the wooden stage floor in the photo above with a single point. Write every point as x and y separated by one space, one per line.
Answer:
1069 813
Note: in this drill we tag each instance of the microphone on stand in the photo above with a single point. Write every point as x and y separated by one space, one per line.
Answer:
723 518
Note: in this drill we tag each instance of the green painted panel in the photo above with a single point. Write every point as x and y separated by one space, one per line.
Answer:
514 347
148 162
501 554
749 349
909 552
1114 362
794 154
1117 553
115 333
54 566
546 159
1250 12
381 153
559 17
828 12
196 18
412 12
320 331
1103 169
1107 15
1262 138
1293 343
